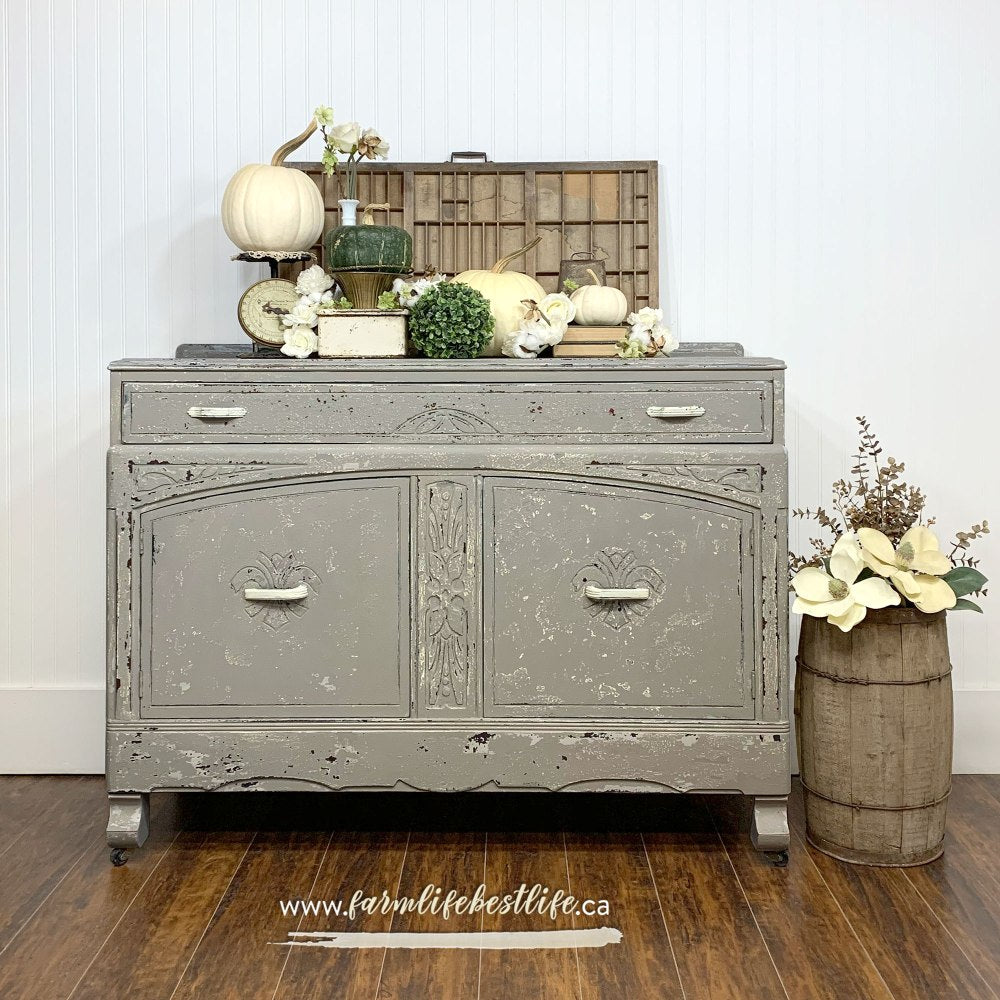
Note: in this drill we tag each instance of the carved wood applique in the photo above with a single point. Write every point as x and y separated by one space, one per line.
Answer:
150 479
446 594
279 571
619 569
445 420
746 479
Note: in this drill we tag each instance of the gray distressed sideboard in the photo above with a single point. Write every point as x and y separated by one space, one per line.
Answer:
447 575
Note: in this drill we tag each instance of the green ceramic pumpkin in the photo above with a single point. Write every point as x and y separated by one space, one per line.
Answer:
368 247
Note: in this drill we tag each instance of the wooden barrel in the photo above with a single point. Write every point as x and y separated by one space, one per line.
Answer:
873 712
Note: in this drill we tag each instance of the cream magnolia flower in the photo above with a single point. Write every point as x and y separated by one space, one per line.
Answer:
918 552
558 309
646 318
300 342
302 314
914 566
837 596
314 281
344 137
372 146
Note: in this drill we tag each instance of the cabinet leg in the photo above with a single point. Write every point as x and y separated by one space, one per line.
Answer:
769 831
128 822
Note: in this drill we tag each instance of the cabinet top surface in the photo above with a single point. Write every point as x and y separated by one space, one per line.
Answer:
238 357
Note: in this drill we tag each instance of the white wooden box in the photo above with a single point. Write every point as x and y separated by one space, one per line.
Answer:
362 333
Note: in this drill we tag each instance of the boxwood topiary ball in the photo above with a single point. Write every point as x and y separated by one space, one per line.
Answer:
451 321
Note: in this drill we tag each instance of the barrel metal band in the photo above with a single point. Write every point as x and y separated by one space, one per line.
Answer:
861 805
861 680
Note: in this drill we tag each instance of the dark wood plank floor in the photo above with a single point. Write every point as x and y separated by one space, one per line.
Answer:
196 911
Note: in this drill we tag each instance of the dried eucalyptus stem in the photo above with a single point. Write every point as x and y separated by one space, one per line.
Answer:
875 496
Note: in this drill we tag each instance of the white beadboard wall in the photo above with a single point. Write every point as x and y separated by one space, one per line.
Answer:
829 195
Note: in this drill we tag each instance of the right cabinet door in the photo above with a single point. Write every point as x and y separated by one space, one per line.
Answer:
617 602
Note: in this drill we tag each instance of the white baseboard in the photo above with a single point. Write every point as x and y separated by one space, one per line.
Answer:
52 730
60 730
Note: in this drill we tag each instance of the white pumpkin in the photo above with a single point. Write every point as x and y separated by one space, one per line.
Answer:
273 207
506 292
599 305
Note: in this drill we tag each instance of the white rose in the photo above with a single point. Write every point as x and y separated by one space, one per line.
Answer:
313 281
344 138
557 308
300 342
304 314
646 318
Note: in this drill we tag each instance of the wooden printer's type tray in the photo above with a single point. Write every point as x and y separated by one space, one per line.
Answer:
467 215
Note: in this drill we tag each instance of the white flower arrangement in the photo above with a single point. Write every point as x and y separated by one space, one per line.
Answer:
350 141
315 288
647 335
544 325
914 568
884 553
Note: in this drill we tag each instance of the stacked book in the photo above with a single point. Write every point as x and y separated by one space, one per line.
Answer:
589 342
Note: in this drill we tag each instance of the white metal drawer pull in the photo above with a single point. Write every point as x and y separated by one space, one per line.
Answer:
217 412
287 594
668 412
616 593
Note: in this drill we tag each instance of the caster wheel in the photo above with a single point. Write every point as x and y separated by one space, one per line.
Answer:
779 859
119 856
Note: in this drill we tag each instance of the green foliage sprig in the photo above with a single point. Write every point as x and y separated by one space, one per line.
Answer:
451 320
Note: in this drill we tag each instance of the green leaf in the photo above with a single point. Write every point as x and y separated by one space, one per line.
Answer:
964 604
964 580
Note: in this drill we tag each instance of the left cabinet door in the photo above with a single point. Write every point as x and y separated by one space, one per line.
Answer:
278 602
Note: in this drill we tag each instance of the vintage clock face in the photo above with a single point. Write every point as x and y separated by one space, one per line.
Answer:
261 307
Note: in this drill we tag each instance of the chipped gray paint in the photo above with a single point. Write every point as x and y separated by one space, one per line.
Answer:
442 515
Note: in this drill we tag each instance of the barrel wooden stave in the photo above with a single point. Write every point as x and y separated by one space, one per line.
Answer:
874 718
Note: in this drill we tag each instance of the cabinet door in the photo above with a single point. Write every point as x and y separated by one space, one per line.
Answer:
616 602
278 602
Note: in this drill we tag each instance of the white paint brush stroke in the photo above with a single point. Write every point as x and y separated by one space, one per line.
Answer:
594 937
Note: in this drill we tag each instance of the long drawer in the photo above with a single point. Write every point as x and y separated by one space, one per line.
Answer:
668 411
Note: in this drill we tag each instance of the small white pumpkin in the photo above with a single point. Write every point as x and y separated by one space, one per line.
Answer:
273 207
506 292
599 305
